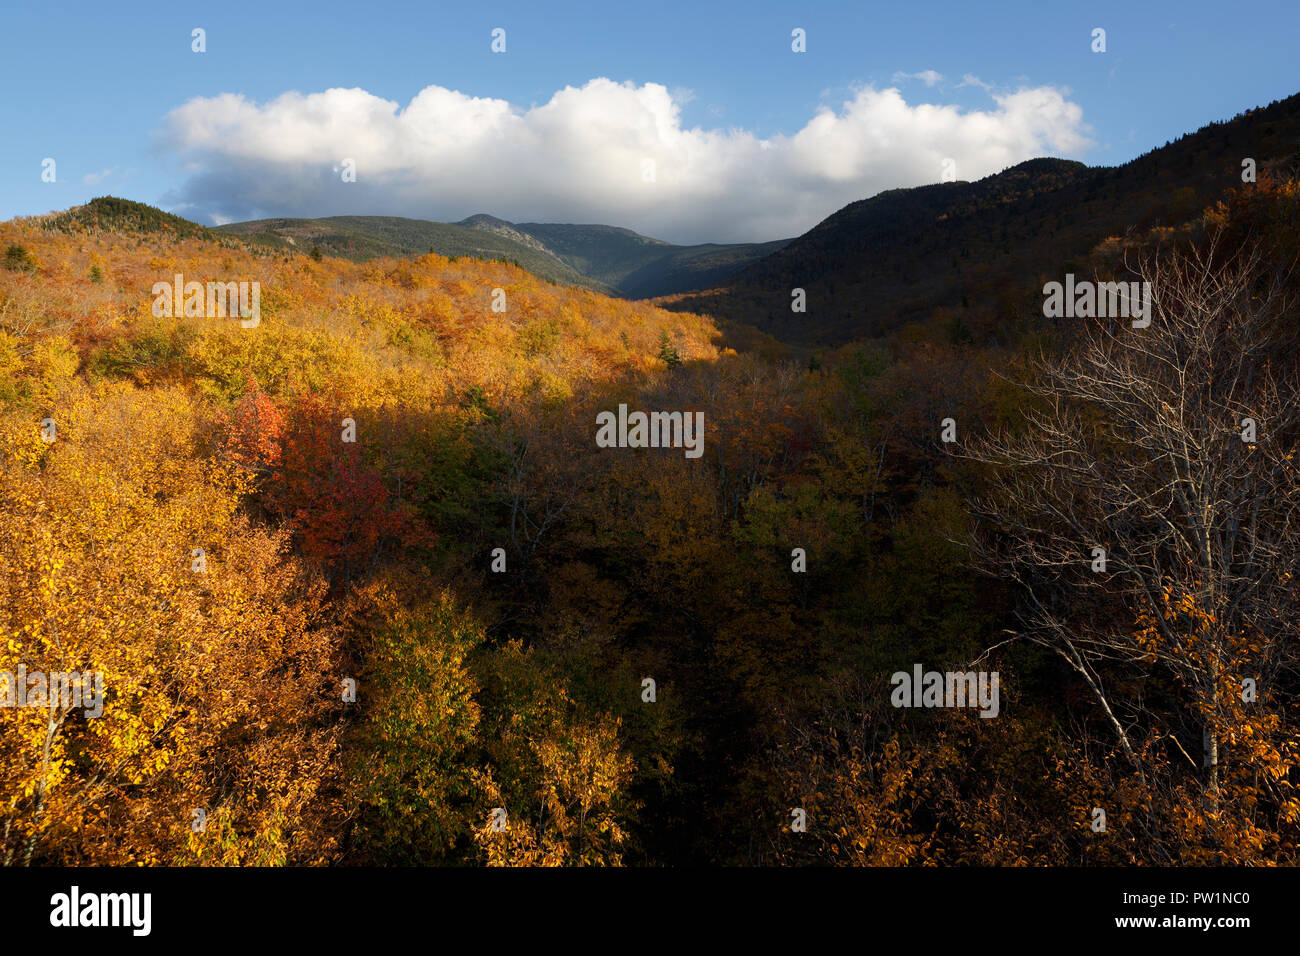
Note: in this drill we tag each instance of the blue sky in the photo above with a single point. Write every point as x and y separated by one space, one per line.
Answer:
745 138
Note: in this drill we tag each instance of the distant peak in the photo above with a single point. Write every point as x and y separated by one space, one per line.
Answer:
1046 164
481 219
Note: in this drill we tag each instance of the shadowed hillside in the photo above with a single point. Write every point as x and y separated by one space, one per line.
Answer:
879 263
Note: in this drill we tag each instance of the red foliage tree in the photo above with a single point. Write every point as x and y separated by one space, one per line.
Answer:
336 504
254 430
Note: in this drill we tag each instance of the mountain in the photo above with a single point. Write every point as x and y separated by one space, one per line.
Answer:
608 259
980 248
975 253
367 237
111 214
640 267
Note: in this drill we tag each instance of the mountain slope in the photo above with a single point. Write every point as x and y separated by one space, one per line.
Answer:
898 256
640 267
607 259
366 237
111 214
607 253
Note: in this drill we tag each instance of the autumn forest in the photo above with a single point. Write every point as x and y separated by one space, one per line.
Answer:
422 558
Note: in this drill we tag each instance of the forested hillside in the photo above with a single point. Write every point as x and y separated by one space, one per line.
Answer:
605 258
984 248
359 576
360 238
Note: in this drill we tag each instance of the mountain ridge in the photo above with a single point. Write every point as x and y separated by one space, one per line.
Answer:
979 248
609 259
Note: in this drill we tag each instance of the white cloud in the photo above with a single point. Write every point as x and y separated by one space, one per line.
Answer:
970 79
579 157
94 179
928 77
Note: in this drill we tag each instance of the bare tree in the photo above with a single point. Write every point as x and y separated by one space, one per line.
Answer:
1172 449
